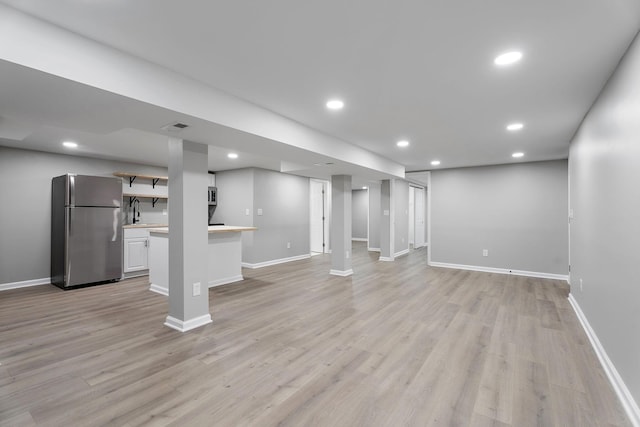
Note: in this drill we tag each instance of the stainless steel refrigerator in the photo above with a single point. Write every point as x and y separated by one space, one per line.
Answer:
86 230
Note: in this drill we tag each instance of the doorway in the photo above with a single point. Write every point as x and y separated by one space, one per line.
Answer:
319 216
417 214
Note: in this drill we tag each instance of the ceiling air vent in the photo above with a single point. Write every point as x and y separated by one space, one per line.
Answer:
175 127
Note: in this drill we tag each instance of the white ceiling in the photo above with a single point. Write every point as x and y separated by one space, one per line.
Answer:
416 70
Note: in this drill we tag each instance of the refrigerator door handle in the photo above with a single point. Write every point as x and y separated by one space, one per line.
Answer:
67 269
72 190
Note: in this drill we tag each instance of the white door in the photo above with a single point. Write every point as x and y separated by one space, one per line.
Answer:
412 229
318 220
419 218
136 254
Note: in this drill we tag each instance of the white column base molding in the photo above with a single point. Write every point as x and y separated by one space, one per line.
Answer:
501 271
341 273
159 289
275 261
25 283
184 326
374 249
628 403
397 254
386 258
225 281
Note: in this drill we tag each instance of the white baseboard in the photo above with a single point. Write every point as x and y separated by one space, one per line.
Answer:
501 271
404 252
138 273
341 273
628 403
159 289
225 280
275 261
374 249
184 326
386 258
25 283
359 239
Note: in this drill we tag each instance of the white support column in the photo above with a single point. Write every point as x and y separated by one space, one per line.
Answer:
188 237
341 225
386 221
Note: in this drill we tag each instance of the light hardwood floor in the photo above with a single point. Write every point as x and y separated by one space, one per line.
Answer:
396 344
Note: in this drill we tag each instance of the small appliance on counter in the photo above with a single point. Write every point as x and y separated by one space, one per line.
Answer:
86 230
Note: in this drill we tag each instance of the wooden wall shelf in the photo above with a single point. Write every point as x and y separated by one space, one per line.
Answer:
132 177
154 197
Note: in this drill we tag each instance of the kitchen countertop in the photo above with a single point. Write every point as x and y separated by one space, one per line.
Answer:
212 229
144 225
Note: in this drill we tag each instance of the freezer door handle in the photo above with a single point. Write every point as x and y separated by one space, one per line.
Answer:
72 190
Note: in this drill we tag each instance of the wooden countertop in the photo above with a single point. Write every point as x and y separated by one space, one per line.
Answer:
144 225
212 229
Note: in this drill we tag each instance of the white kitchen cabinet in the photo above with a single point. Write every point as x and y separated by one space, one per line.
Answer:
136 252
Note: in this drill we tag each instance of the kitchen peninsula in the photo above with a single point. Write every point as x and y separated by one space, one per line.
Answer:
224 256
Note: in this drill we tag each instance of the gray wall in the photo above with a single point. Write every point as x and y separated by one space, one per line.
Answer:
518 212
25 213
401 215
284 201
374 216
604 169
359 211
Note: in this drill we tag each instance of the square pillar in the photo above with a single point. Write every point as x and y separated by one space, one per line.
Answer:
341 225
188 235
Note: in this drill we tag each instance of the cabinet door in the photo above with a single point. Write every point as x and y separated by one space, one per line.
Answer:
136 254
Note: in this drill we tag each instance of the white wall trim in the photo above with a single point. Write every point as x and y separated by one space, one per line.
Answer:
25 283
275 261
501 270
385 258
184 326
404 252
225 281
341 273
628 403
359 239
373 249
159 289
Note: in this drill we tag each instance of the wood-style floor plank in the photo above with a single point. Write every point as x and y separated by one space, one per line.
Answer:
397 344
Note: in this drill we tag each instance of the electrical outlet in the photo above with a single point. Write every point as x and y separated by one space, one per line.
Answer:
580 285
164 212
288 245
196 289
246 212
485 252
259 211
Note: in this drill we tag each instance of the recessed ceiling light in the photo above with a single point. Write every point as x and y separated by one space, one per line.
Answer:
364 188
70 144
517 155
508 58
335 104
232 155
403 143
435 163
515 126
